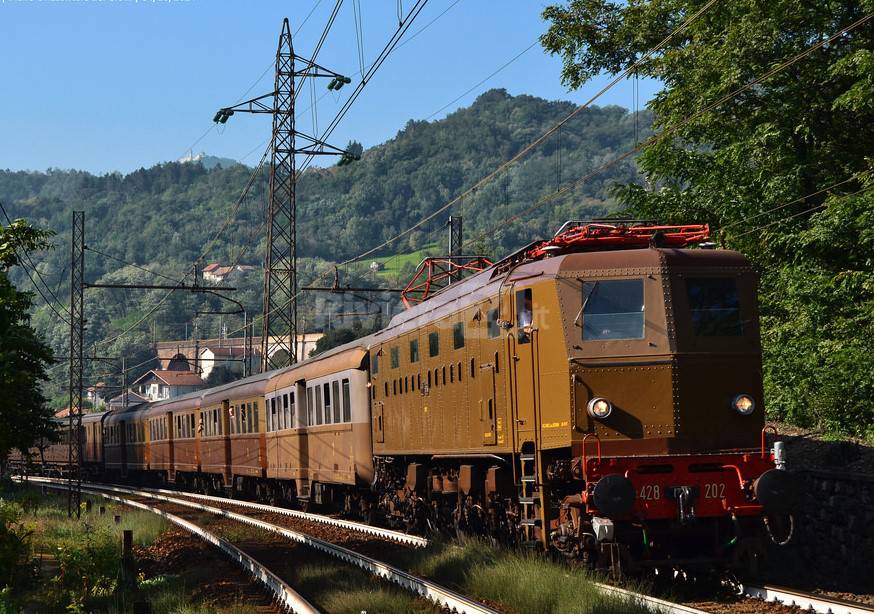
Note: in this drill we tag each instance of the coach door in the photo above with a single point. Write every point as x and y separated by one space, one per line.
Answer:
122 440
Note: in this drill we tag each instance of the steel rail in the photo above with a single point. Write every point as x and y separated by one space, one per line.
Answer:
653 604
280 590
805 601
395 536
443 597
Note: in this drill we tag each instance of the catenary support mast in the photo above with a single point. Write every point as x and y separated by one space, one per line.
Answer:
77 362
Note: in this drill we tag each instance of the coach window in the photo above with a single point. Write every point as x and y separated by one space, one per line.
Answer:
271 414
458 335
347 407
319 406
327 396
613 309
395 357
492 323
714 307
433 344
311 407
335 388
374 363
291 410
191 422
255 416
524 315
283 413
414 350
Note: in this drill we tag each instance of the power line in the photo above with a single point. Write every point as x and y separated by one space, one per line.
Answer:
538 140
800 213
672 129
36 271
366 77
205 250
797 200
130 264
454 100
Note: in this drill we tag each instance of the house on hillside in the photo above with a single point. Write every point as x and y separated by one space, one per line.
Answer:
158 385
376 266
215 272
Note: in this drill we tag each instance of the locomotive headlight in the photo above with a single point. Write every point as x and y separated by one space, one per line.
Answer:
744 404
599 408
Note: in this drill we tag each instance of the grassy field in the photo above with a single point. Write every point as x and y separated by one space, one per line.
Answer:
394 264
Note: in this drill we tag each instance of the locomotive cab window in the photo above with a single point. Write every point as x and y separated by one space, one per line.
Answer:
613 309
714 307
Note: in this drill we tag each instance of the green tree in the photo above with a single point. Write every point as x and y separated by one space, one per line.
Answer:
801 131
24 356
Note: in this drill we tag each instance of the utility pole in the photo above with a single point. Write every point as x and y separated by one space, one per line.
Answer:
279 319
77 361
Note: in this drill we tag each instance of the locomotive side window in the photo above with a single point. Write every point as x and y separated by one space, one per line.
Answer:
414 350
458 335
433 344
524 315
492 322
714 306
613 309
395 357
374 363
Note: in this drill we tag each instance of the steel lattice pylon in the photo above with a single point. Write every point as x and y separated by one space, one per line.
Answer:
280 264
279 320
77 361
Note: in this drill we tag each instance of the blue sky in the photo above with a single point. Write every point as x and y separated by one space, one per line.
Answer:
116 85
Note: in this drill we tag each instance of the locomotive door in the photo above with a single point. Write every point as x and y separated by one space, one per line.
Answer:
490 376
522 344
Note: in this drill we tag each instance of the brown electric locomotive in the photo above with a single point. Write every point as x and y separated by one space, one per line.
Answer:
599 393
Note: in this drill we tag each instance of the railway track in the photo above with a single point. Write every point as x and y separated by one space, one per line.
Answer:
445 598
758 598
808 602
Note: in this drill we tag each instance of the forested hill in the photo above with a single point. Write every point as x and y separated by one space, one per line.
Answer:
167 213
161 218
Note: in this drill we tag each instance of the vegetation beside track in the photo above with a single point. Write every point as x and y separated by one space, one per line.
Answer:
512 581
50 563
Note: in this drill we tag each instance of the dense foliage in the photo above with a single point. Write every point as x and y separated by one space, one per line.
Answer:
779 170
24 355
165 217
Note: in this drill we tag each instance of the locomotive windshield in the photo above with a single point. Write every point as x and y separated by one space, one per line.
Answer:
613 309
714 306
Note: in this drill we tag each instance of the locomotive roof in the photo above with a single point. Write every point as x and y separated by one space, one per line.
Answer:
486 283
